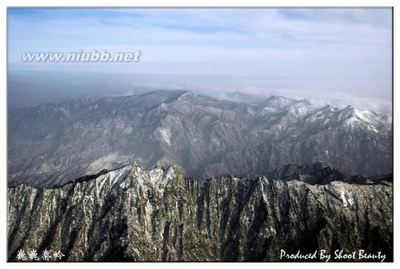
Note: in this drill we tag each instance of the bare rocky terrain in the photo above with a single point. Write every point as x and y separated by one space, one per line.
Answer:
176 176
50 144
130 214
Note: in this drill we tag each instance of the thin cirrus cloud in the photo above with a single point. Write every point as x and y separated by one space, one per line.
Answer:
341 49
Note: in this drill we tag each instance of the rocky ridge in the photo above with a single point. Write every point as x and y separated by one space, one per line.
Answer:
207 137
130 214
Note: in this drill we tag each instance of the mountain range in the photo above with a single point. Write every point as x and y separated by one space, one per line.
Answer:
131 214
51 144
178 176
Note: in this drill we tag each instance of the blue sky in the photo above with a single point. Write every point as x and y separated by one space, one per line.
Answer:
343 50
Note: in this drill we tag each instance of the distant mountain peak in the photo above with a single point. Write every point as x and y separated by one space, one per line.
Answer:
205 135
188 96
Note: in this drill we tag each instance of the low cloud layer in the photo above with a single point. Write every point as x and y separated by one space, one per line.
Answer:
340 51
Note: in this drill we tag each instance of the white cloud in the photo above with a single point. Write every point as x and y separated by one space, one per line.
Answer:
339 48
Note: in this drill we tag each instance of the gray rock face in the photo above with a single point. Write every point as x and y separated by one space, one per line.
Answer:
131 214
207 137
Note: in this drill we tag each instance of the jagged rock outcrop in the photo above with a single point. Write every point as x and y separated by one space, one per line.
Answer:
130 214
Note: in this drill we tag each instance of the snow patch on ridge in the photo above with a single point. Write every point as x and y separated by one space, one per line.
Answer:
165 135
